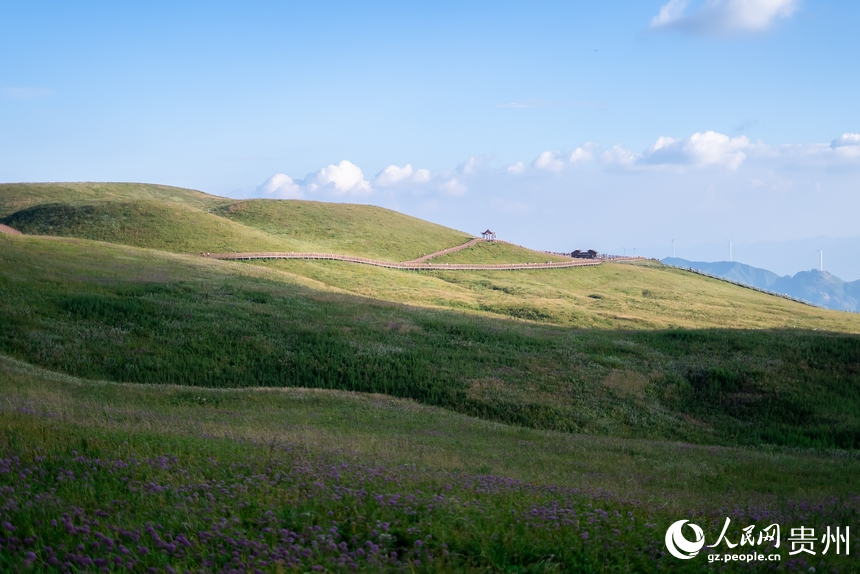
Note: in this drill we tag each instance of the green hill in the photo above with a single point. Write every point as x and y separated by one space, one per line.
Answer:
364 230
641 296
148 223
17 196
457 421
102 311
608 296
182 220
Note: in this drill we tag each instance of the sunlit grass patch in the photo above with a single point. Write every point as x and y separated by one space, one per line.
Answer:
494 252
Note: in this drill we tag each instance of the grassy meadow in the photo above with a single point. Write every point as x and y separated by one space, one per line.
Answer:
362 230
631 296
141 477
493 252
162 412
117 313
187 221
15 197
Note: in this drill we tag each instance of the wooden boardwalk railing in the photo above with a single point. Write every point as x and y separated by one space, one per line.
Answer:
419 264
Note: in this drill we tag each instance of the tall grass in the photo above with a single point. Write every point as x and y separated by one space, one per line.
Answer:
145 323
97 476
174 219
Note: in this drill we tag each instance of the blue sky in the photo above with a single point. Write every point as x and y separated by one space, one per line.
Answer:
564 125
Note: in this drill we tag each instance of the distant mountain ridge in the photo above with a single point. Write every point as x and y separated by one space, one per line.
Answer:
819 287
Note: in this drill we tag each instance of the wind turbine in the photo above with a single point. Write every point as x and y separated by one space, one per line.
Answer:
729 239
673 248
820 259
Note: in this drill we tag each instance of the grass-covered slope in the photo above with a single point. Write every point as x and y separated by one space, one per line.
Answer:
175 219
108 312
609 296
304 480
491 252
17 196
154 224
364 230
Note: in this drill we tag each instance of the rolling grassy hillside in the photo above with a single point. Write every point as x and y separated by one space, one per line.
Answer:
182 220
497 252
17 196
117 313
363 230
609 296
154 224
288 479
163 412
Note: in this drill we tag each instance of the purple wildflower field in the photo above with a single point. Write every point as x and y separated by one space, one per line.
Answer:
284 510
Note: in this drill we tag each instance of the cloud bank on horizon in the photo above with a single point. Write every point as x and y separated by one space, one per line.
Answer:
708 150
724 16
346 181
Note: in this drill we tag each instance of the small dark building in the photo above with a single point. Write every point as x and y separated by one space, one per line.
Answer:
579 254
489 235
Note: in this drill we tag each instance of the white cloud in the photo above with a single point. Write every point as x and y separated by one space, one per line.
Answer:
516 168
549 161
846 140
620 156
557 161
847 146
670 13
421 176
699 150
709 150
724 16
280 186
472 165
453 186
394 175
712 149
841 152
345 178
583 153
